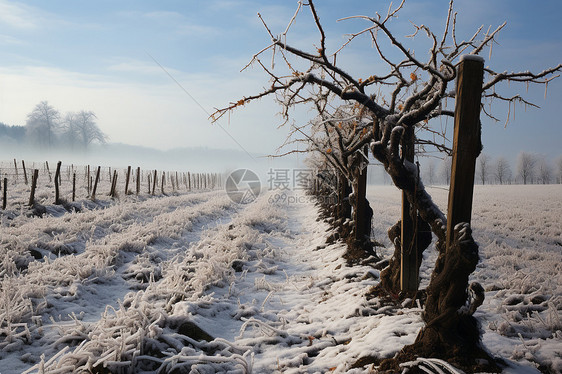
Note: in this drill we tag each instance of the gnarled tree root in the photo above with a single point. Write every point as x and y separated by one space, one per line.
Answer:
451 333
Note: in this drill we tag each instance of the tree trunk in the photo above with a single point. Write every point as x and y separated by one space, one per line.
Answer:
343 207
360 246
409 257
390 285
451 333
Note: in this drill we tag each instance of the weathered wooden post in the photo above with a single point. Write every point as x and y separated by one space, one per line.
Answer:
409 267
24 172
16 167
74 186
163 180
188 181
451 333
88 180
96 183
127 180
466 143
48 171
138 179
33 187
113 191
154 181
57 183
5 194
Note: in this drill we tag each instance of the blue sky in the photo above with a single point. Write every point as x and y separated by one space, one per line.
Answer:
96 55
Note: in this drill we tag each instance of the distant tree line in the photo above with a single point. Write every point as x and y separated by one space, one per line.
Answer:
530 168
47 129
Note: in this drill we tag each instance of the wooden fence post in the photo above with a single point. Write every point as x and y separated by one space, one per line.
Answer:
57 182
16 167
33 187
127 181
74 187
89 181
24 173
409 267
48 171
188 181
5 194
96 183
112 191
138 179
466 144
163 180
154 182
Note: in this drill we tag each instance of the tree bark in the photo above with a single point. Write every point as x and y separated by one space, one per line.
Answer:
360 246
390 284
451 333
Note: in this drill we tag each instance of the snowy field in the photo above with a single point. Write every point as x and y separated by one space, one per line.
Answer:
191 282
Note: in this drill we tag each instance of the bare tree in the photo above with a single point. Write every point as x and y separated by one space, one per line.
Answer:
417 90
544 170
42 124
430 172
502 170
81 128
526 163
333 133
483 167
446 170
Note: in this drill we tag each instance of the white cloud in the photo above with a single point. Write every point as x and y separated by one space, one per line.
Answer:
198 30
18 15
7 39
165 16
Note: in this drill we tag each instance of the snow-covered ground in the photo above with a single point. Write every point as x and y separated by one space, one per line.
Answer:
192 281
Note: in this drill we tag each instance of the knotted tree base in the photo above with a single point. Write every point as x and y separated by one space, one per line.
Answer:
389 285
451 333
361 252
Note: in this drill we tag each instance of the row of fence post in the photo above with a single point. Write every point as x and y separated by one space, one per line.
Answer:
197 181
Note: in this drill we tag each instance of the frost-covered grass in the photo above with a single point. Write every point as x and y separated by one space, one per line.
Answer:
128 285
